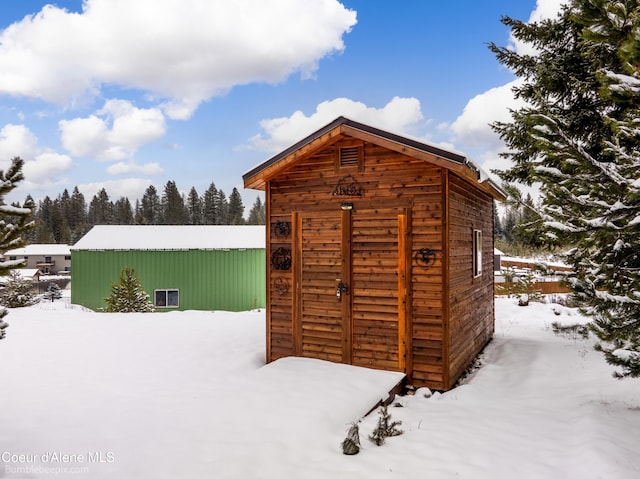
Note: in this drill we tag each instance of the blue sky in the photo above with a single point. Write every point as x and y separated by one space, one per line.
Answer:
122 94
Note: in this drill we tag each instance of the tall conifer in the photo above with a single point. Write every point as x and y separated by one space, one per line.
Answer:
577 137
14 223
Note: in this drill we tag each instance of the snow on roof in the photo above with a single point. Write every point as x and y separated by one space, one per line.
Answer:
41 250
24 273
172 237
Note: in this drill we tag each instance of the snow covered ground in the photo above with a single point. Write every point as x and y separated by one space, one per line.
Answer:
180 395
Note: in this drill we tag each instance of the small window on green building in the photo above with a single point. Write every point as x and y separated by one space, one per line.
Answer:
166 298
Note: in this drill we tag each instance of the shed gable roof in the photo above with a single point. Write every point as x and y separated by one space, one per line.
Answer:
342 127
172 237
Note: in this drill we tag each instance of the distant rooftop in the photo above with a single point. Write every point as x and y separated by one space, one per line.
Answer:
172 237
41 250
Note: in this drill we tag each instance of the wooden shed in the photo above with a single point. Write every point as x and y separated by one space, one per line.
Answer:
380 253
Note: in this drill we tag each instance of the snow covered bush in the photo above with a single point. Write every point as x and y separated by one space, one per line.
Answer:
3 324
128 296
17 292
577 138
351 444
53 292
576 330
385 428
525 290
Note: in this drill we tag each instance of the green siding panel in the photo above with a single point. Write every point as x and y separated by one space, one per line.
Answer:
230 280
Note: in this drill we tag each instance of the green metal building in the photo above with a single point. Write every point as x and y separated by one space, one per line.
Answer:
181 267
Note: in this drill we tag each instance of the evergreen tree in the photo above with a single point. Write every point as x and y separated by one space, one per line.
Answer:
222 209
127 295
385 427
30 235
14 223
194 208
526 228
577 137
65 202
498 233
137 213
123 213
257 213
236 208
53 292
77 215
173 209
511 219
150 207
17 292
59 226
101 209
210 205
44 233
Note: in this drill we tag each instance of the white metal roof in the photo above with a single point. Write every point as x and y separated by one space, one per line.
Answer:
172 237
41 250
24 273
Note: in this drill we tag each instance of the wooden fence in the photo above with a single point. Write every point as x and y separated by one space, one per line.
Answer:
545 287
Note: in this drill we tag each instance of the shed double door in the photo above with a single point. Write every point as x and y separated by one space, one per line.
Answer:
351 287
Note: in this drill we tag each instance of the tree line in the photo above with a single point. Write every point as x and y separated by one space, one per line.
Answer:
512 229
65 219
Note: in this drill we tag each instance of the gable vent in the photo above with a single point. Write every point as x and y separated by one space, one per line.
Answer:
349 156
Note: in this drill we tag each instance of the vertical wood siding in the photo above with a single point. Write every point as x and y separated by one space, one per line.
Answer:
471 309
375 288
322 333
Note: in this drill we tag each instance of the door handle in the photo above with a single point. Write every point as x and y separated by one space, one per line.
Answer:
341 289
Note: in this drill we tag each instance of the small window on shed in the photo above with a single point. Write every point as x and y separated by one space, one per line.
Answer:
166 298
477 253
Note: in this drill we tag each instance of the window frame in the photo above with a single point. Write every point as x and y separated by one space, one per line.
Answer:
167 298
477 253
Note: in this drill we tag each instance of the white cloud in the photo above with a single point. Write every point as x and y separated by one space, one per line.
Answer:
400 115
545 9
182 51
121 168
16 140
472 126
85 137
43 168
472 129
132 188
114 133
